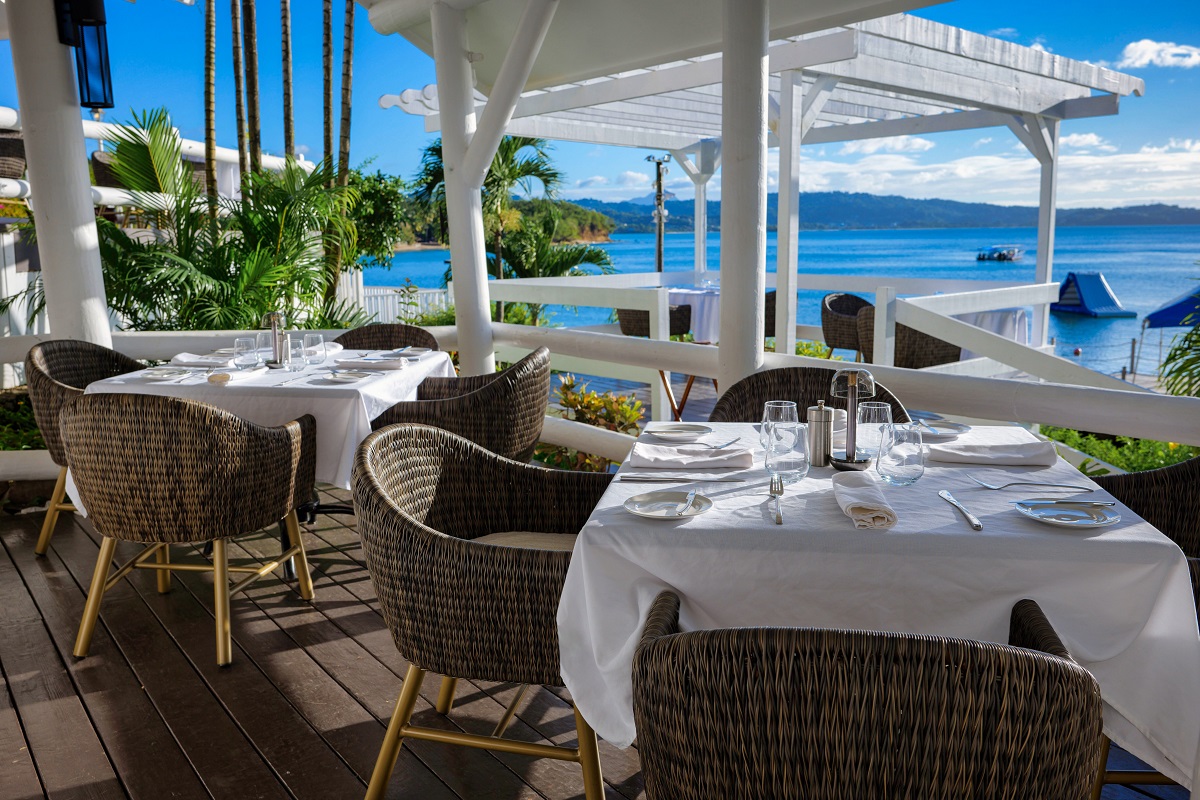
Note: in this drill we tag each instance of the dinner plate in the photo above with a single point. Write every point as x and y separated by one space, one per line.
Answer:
349 376
680 432
409 351
1065 514
945 430
165 373
662 505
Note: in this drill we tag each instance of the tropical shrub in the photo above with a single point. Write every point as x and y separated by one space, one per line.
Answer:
621 413
1180 370
1131 455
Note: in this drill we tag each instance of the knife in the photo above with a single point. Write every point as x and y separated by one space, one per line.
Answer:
1062 502
686 504
674 479
971 518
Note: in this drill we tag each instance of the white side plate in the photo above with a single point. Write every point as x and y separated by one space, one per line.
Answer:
1066 515
348 376
946 431
680 432
166 373
663 505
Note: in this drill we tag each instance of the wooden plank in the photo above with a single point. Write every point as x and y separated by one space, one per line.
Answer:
18 776
63 743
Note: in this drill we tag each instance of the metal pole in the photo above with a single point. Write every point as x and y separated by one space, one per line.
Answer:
660 210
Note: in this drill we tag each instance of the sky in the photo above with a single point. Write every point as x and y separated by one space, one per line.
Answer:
1149 153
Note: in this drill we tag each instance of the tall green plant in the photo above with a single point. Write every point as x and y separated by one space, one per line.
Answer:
1180 370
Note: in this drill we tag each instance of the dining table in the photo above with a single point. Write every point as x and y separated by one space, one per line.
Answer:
1118 594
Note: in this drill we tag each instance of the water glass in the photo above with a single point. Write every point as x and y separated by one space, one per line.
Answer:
293 353
782 410
873 421
262 343
314 348
902 455
245 352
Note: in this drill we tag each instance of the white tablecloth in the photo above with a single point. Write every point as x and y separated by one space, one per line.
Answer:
1120 596
343 410
706 311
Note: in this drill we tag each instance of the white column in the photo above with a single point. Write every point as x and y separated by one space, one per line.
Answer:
787 225
464 206
700 228
743 189
1047 212
58 175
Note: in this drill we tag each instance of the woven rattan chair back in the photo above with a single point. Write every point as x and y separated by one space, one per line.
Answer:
161 469
769 314
914 349
386 336
12 155
785 714
58 371
743 402
636 322
502 412
839 320
102 169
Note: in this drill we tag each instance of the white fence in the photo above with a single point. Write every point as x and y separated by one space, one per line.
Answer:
392 303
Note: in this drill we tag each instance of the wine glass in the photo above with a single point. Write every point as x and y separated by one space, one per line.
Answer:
873 421
314 348
774 409
902 455
245 352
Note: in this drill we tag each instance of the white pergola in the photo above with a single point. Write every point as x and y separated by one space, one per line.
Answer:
504 48
894 76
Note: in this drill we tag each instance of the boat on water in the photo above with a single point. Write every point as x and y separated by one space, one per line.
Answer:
1000 252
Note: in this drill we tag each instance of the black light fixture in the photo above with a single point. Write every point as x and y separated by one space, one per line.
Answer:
81 25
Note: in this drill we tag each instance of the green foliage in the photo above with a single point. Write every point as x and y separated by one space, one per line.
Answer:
615 412
428 319
1180 370
1131 455
384 215
18 429
575 223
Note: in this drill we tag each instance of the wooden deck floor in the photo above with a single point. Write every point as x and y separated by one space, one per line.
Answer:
299 714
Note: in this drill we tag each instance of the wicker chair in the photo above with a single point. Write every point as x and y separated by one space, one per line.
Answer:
502 412
743 402
636 322
57 372
1167 498
914 349
163 471
769 314
386 336
462 594
791 713
12 155
839 322
103 171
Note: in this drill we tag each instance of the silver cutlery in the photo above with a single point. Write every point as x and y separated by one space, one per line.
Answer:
290 381
686 504
675 479
927 426
1088 503
777 492
1031 483
971 518
730 443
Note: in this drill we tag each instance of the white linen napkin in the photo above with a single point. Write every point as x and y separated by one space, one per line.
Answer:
193 360
373 363
234 376
862 501
651 456
1014 454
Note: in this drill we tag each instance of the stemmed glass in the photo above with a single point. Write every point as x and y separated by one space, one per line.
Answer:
245 352
314 348
873 421
902 455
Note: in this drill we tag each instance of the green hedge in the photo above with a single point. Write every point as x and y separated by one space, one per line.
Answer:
1131 455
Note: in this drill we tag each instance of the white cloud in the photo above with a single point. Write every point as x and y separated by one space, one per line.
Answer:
633 179
895 144
1174 145
303 149
1146 52
1004 33
982 142
1087 141
595 180
1040 44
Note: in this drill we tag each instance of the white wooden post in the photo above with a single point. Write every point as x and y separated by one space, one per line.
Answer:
1047 213
660 328
884 348
787 248
743 189
67 242
707 160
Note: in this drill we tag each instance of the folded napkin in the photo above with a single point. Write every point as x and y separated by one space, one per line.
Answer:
651 456
860 498
234 376
1039 454
193 360
399 362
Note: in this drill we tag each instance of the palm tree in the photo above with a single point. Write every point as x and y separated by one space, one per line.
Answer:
530 252
327 73
285 30
347 94
253 119
429 188
210 105
235 14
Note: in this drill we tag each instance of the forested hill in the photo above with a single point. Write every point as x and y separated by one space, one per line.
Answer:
825 210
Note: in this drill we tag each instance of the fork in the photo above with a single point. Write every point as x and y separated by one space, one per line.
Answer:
777 492
1031 483
715 446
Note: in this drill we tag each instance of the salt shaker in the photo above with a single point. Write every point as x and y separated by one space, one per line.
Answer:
820 434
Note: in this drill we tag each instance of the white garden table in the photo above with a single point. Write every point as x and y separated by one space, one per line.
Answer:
1119 596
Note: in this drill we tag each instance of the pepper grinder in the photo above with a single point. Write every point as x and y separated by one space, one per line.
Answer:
820 434
275 321
852 384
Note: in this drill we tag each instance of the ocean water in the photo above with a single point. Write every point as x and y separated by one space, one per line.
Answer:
1146 266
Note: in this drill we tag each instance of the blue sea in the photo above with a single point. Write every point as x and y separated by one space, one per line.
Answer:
1146 266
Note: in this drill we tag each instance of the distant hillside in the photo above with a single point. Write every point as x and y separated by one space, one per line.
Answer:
825 210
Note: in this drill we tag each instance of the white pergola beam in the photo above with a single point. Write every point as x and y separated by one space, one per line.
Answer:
569 130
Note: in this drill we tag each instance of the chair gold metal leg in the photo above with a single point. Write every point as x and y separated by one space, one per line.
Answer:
221 603
163 556
445 699
303 576
91 609
56 500
589 759
675 411
392 740
1099 787
510 712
